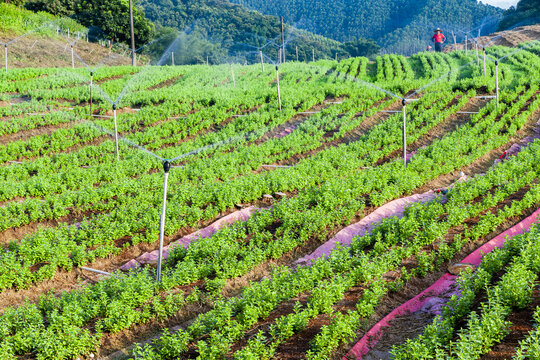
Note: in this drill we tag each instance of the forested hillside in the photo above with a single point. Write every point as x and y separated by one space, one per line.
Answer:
397 25
527 12
224 31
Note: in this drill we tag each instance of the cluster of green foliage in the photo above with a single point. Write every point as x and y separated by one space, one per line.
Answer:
15 21
527 12
101 16
220 30
398 25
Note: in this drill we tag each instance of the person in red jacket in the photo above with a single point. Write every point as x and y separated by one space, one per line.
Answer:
438 39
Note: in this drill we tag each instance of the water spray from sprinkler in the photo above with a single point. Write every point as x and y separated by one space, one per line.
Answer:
232 75
166 169
17 38
496 61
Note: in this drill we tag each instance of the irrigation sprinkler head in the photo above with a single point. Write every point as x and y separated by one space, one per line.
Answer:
91 73
277 67
496 62
166 166
114 106
403 102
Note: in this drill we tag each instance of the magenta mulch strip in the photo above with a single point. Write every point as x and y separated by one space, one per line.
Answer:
433 298
151 257
345 236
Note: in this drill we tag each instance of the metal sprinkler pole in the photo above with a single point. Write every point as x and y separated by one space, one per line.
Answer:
278 92
497 81
116 132
297 53
72 58
91 89
172 58
313 50
6 55
233 79
404 104
465 45
166 168
455 42
262 60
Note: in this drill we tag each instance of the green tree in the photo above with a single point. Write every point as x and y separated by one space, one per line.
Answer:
361 47
56 7
13 2
112 16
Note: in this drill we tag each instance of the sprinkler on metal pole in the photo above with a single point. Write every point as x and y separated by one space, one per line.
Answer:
497 81
278 92
313 50
91 89
484 50
172 58
5 54
233 79
262 60
297 53
115 132
207 63
166 168
404 105
465 45
455 41
72 58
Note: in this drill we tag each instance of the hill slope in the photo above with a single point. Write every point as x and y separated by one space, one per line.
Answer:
527 12
398 25
220 30
38 45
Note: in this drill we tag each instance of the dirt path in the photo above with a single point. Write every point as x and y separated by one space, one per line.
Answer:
510 38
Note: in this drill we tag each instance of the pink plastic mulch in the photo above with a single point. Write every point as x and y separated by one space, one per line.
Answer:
433 298
285 132
152 257
394 208
516 148
345 236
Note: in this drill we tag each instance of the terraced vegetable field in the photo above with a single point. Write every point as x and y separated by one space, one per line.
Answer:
289 233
